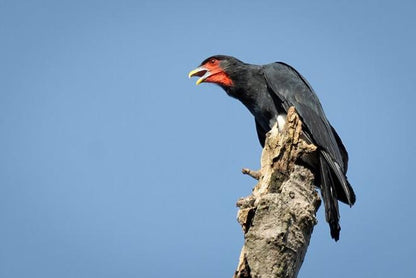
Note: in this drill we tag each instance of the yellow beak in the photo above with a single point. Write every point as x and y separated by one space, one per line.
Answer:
202 72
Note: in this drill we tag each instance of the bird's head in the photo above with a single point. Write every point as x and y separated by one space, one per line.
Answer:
218 69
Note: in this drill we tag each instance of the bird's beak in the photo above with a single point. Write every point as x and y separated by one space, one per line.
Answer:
201 72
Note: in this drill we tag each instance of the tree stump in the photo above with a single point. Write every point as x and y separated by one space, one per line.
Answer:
278 217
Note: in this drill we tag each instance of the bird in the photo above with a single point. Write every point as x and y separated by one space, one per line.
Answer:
268 91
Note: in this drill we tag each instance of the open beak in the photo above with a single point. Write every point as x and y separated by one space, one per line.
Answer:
202 72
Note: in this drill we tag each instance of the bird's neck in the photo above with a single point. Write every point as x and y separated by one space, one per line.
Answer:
250 88
256 98
245 78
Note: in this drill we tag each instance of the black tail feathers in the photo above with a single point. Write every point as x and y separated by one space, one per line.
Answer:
329 196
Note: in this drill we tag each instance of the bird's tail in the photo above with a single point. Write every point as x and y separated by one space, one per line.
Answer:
329 196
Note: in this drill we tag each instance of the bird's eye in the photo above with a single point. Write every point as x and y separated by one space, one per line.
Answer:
212 61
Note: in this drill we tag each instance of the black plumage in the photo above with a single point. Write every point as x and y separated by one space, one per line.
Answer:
268 91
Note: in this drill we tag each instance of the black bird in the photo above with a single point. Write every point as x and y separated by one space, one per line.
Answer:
268 91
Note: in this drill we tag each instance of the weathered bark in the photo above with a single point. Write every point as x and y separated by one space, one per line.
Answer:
278 218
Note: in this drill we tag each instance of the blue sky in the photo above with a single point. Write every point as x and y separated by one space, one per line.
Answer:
114 164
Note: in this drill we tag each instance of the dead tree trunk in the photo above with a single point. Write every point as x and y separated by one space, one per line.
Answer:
278 218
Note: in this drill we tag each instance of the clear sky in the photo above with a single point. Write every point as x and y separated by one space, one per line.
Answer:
114 164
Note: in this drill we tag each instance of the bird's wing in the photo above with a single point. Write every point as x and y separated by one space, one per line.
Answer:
288 88
342 149
292 89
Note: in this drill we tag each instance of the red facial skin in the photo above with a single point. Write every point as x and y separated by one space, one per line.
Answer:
218 75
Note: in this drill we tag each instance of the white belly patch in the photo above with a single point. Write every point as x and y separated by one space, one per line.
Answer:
281 120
